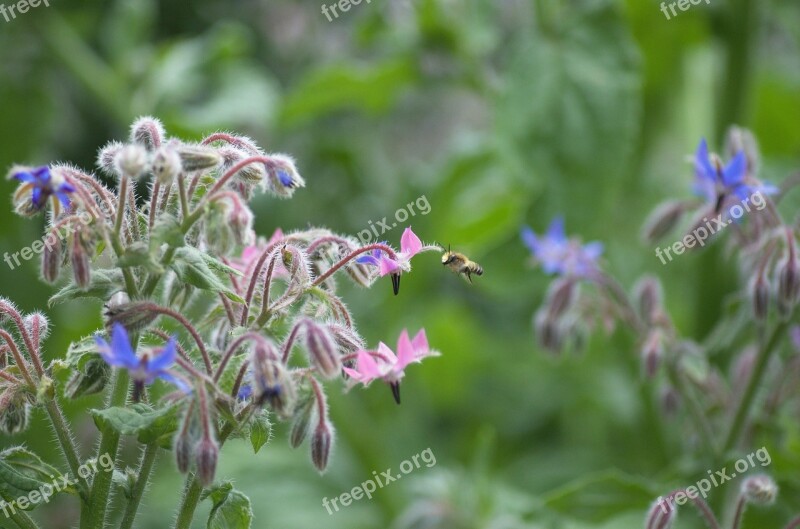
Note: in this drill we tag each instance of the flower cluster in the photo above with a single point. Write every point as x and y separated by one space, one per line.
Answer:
195 299
685 375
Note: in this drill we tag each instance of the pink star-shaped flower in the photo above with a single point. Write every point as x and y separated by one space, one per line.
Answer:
384 364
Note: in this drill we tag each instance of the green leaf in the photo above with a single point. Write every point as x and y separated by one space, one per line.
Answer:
140 254
260 431
22 472
166 230
140 420
103 284
231 508
599 497
191 266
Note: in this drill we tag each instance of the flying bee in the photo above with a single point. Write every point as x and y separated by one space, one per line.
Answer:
461 264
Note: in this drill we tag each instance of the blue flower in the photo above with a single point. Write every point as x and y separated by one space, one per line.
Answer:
714 182
144 370
44 186
559 255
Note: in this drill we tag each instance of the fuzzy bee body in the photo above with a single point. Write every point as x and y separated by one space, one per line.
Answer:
461 264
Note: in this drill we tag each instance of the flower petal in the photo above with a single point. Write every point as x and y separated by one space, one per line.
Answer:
368 260
177 381
702 163
367 367
24 176
410 244
420 343
529 239
165 358
734 172
593 250
555 231
405 351
388 266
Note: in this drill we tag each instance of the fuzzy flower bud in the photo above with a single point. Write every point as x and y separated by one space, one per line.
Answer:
131 161
788 278
134 316
662 220
547 331
759 295
14 411
670 401
282 176
560 296
107 156
652 353
147 132
79 256
251 174
198 157
240 221
322 351
271 382
648 295
759 490
301 422
661 514
166 164
321 444
206 456
51 258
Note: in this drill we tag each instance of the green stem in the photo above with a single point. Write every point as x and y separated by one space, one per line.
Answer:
145 468
760 367
741 24
22 519
93 516
695 410
67 444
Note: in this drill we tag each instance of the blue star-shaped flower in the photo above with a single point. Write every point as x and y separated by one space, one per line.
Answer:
44 186
715 183
558 254
144 370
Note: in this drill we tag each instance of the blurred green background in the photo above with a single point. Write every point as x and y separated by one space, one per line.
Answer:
500 113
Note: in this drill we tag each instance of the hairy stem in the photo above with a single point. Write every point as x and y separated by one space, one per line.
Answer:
145 468
68 448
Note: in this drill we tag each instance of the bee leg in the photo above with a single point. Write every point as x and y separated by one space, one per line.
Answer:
469 277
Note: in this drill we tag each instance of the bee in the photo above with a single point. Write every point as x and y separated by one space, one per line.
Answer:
461 264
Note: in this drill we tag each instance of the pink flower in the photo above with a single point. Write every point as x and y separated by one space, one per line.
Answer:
410 245
384 364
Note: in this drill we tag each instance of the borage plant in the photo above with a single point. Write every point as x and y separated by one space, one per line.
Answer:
192 298
707 390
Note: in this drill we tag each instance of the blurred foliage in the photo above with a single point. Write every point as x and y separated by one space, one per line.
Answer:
500 113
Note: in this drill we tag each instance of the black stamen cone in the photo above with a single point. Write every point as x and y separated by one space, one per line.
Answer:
138 391
395 391
396 283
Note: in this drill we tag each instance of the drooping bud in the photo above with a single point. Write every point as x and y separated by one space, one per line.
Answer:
217 232
206 456
249 175
271 382
662 220
198 157
240 221
131 161
106 157
184 443
321 444
560 296
759 490
148 132
788 277
301 421
547 332
322 352
661 514
282 176
134 316
670 401
742 367
14 411
23 205
648 295
759 295
51 258
90 379
79 256
652 353
166 164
